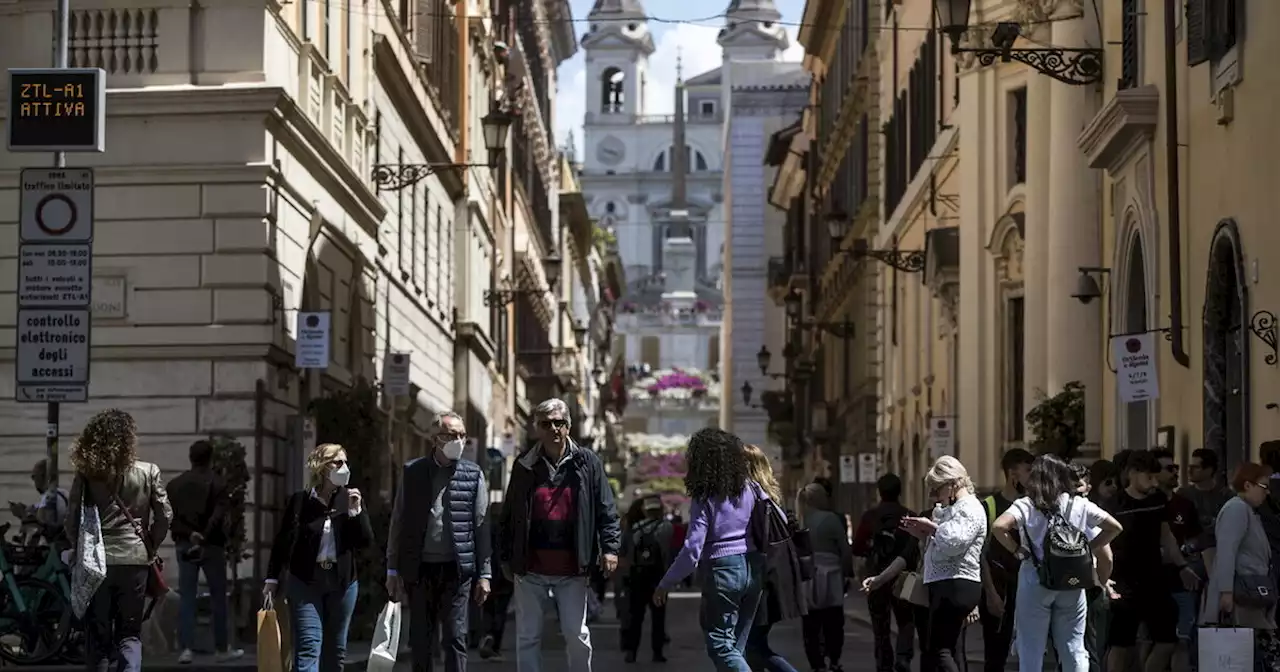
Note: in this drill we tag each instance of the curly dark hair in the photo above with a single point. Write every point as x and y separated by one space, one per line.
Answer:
717 465
107 446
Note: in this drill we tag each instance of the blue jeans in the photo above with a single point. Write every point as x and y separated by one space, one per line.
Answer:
1042 612
1188 612
321 613
761 656
214 566
534 593
731 589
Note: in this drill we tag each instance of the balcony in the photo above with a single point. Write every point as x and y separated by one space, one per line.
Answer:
633 317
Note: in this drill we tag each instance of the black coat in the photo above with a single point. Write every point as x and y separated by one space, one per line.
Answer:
297 540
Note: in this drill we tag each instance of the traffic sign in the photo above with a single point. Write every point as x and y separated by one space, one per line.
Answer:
55 275
395 377
56 205
57 109
53 347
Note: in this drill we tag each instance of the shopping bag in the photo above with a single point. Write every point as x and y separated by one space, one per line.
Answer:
1226 649
90 567
269 649
386 639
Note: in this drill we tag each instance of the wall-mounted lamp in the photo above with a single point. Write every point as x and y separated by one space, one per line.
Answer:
1077 67
394 177
1087 287
551 267
764 358
837 225
794 301
580 333
907 261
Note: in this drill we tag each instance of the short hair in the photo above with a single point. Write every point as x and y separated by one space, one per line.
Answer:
41 467
1101 470
1142 461
1163 454
947 469
437 422
1208 458
1014 458
550 406
201 453
890 487
319 459
1249 472
814 496
826 484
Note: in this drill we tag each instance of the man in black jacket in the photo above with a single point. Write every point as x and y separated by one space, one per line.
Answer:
437 546
558 520
879 541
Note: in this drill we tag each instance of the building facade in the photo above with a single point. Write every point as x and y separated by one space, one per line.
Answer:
240 187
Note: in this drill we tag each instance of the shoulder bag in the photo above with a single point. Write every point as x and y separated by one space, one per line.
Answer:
156 586
909 585
1257 591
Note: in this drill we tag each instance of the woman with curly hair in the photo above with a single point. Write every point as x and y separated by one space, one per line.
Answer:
722 497
134 513
324 526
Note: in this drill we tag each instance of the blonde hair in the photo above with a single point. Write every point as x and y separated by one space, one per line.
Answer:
760 470
319 459
947 470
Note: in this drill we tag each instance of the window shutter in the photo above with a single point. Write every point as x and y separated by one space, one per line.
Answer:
1197 32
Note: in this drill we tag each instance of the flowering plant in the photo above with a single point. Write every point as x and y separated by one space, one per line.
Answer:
676 384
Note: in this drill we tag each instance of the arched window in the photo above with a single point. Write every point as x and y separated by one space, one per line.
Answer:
695 161
612 87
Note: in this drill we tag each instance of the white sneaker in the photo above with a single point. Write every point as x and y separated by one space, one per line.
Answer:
186 657
230 655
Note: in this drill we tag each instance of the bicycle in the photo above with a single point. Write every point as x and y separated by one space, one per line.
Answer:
35 613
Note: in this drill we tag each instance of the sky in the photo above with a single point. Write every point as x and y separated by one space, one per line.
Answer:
697 48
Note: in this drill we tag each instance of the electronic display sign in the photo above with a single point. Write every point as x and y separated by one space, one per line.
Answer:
57 109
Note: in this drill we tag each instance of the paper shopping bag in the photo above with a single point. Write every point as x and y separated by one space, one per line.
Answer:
269 646
1226 649
386 639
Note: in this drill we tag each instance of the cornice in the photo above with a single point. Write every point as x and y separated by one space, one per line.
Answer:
858 98
1123 124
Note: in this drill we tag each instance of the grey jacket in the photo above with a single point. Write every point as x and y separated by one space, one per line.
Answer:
1242 550
142 491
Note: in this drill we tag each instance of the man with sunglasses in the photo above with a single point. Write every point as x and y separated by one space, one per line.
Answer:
558 520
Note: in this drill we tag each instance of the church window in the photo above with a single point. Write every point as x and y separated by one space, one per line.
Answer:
708 108
612 96
610 207
700 162
660 164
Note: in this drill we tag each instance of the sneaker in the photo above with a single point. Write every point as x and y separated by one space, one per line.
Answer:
186 657
486 647
230 655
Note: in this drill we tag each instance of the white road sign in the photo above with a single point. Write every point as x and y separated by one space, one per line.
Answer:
848 468
868 467
53 347
56 205
311 350
395 377
55 275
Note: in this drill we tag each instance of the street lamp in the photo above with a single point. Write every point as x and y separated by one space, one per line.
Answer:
907 261
1077 67
394 177
550 267
580 333
837 225
1087 288
793 301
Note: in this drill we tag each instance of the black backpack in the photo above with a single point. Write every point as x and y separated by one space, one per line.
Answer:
884 541
784 573
1068 559
646 550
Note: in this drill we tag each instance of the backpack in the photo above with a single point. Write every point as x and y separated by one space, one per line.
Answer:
884 541
1068 560
646 550
771 535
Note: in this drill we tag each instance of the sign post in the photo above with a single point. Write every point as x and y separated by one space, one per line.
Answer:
59 110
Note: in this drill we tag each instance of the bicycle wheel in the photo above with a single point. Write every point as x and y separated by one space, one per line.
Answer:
37 633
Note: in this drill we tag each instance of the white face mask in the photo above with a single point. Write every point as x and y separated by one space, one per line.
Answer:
453 449
340 476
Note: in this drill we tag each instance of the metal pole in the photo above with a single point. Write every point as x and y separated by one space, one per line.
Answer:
59 161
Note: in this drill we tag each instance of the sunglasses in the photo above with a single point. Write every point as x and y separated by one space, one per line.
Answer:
1264 486
338 463
557 423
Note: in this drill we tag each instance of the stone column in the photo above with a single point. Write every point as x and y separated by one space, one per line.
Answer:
1074 330
1035 253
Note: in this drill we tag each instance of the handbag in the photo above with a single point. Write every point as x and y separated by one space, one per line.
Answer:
156 586
270 647
909 586
386 639
1257 591
90 564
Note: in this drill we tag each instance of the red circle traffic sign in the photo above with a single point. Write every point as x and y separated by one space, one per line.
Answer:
55 231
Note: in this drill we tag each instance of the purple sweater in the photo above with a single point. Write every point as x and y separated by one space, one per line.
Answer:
717 529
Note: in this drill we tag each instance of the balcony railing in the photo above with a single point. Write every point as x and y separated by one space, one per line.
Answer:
436 41
639 319
611 113
647 403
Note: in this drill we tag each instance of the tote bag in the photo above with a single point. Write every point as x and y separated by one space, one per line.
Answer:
386 639
1225 649
90 568
270 657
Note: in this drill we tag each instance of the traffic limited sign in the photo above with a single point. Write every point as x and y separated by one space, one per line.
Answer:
56 205
53 347
55 275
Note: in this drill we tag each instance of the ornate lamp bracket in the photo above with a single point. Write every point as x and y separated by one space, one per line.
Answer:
1263 325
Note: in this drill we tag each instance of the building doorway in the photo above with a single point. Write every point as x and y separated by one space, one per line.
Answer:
1136 320
1226 352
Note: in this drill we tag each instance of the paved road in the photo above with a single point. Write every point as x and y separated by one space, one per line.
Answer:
686 651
